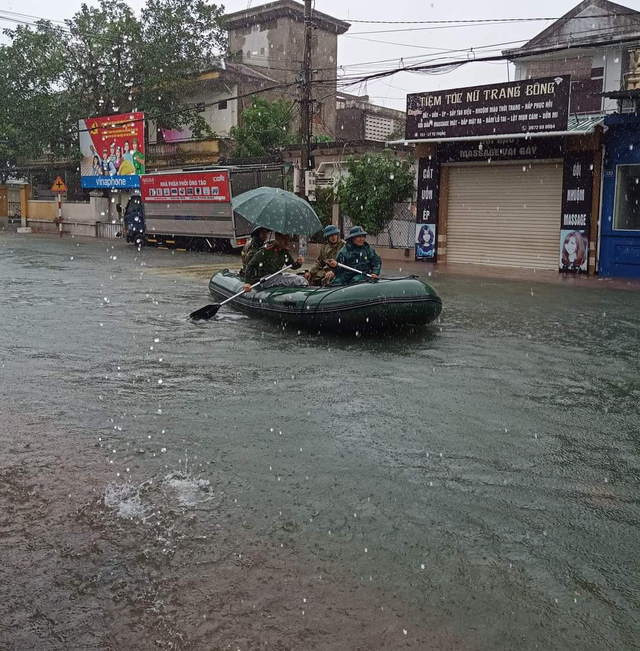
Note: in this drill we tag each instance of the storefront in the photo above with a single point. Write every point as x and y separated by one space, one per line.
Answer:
506 177
620 236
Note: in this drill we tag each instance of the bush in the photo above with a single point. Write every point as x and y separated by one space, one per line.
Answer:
375 183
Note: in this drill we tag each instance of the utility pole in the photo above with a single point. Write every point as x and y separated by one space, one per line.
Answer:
306 101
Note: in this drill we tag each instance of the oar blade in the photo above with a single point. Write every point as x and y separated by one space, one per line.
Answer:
205 312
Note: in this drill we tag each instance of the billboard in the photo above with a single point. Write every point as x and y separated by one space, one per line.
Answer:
201 187
112 150
529 106
577 192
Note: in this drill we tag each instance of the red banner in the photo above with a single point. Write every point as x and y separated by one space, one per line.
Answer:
186 186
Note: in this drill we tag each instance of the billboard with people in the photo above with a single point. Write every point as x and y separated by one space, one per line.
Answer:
112 150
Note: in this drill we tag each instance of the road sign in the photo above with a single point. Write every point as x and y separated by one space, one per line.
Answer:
59 185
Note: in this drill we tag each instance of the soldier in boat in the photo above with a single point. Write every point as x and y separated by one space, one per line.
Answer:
321 273
360 255
271 258
259 236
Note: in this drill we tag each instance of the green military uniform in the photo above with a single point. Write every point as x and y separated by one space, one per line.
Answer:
248 251
363 258
268 260
138 161
320 266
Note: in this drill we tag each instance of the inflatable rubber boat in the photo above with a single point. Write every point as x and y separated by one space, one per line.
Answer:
387 303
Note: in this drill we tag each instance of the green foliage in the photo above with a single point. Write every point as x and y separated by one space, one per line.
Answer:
33 112
375 183
106 60
323 205
266 127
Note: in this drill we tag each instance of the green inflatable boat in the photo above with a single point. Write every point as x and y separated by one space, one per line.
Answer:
388 303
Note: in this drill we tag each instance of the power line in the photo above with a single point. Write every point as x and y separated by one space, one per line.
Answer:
457 63
458 24
419 56
194 107
630 13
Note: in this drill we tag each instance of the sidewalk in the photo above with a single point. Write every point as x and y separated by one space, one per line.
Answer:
392 265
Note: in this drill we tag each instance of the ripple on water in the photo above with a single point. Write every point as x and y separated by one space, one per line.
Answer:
189 491
125 501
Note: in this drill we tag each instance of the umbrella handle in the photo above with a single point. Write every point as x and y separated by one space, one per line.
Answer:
344 266
256 284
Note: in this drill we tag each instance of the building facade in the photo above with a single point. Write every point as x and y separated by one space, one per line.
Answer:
510 174
270 39
359 119
620 217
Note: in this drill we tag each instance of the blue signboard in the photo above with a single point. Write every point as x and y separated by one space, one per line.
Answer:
106 182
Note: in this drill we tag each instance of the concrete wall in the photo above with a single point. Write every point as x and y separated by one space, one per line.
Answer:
41 210
278 51
78 218
578 64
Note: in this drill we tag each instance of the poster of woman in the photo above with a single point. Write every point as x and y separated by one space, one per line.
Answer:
425 241
574 251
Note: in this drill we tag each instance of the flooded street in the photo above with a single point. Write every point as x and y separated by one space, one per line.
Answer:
233 485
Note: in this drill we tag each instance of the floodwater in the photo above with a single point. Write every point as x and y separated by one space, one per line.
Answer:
233 485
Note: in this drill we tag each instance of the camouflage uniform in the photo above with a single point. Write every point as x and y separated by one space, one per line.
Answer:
364 258
249 250
320 267
266 261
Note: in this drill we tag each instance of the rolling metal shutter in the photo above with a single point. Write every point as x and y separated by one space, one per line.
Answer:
505 215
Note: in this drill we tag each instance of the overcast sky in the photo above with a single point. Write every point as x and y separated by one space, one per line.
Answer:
357 47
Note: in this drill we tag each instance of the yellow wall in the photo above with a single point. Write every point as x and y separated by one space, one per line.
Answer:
42 210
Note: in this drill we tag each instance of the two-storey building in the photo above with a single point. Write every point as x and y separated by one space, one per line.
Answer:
510 174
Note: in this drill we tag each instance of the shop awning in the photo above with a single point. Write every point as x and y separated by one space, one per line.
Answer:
578 125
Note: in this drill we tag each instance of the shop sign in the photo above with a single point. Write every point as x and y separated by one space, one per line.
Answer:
577 185
498 150
112 151
427 208
528 106
197 187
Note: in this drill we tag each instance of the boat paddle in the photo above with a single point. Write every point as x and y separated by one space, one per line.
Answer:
208 311
360 273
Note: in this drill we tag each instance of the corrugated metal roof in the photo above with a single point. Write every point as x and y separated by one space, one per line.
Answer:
583 123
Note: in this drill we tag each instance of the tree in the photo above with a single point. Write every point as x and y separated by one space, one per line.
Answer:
375 183
266 127
33 110
105 60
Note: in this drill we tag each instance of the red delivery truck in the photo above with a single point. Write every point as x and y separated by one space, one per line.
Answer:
192 208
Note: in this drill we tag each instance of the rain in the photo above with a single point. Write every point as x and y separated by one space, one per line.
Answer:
427 438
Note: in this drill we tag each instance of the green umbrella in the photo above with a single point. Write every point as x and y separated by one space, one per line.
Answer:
277 210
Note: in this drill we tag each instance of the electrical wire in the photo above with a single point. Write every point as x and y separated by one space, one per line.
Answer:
183 109
450 24
477 20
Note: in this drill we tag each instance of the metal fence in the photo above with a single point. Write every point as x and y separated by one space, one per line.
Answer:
109 230
399 234
14 204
